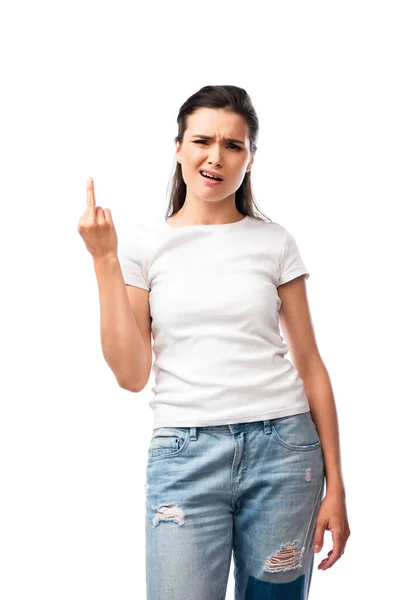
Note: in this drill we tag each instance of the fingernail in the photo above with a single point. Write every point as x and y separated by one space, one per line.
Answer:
89 180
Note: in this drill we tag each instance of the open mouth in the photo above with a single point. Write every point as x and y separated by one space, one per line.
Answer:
210 179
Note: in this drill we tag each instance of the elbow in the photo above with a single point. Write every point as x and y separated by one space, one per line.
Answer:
125 385
130 386
136 385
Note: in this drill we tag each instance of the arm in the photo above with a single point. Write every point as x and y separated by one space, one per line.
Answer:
296 324
124 316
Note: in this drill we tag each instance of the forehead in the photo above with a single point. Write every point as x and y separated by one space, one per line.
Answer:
219 122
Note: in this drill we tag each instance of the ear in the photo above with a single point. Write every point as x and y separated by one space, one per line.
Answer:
248 168
177 151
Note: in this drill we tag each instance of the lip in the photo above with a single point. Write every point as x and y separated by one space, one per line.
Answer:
210 182
211 173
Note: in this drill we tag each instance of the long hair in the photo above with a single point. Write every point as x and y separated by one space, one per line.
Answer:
233 99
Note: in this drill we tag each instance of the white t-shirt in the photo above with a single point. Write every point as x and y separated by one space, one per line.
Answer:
219 354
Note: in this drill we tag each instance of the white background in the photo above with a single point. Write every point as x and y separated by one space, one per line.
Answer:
94 89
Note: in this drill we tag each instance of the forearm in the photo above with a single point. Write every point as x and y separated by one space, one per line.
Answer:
318 389
122 343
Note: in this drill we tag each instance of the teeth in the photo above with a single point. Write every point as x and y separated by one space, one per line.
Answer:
207 175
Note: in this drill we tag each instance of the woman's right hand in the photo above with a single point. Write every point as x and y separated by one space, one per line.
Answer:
96 227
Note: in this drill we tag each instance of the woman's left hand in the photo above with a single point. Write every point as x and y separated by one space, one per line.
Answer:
332 515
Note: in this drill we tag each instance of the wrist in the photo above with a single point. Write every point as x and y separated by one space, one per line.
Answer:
104 259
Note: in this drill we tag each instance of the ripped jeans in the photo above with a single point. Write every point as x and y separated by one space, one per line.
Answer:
253 489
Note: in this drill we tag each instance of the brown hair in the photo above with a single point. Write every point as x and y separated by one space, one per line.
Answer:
233 99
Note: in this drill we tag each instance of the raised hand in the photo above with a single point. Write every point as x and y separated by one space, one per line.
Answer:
96 227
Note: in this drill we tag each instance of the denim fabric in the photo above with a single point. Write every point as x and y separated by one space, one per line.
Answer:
249 489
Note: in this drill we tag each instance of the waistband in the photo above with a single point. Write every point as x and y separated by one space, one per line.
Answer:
231 429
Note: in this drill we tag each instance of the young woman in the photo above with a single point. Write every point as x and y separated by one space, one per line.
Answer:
243 439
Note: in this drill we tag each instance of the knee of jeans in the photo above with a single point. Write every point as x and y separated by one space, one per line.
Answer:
168 512
286 558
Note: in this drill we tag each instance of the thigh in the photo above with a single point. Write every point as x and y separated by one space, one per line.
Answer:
278 502
188 515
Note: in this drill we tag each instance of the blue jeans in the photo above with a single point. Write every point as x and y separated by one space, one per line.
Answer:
253 489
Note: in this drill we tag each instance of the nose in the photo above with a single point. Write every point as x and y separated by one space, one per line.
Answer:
215 156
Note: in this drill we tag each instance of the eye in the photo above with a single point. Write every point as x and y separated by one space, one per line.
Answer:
205 142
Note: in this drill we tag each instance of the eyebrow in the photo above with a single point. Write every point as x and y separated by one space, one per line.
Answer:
208 137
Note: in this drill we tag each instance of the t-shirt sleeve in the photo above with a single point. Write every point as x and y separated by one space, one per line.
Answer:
132 258
291 264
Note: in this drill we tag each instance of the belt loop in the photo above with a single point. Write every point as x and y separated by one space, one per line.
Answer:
267 426
193 434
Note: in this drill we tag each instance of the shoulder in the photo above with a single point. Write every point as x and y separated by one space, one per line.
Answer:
275 234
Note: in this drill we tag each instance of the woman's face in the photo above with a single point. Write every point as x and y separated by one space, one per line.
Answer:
229 159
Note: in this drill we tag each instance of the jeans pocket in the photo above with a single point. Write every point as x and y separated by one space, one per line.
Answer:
296 432
167 442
